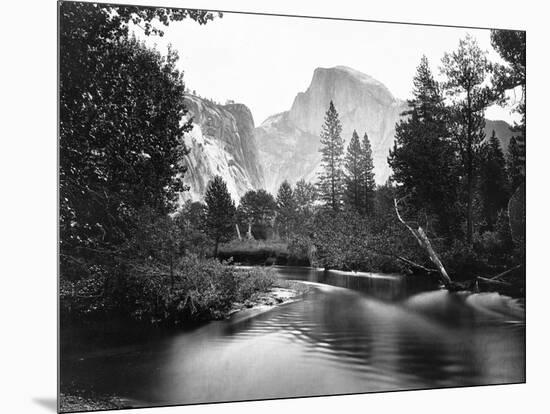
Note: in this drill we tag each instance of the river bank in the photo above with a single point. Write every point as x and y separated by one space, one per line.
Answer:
281 292
350 329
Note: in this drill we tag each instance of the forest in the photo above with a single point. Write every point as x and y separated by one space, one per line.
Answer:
128 249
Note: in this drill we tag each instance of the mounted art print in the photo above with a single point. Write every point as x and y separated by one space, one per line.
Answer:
257 206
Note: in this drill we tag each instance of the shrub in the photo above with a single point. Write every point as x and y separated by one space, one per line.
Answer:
201 289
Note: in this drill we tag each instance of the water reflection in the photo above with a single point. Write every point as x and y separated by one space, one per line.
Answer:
349 334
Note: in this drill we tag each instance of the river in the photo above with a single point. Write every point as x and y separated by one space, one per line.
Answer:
351 333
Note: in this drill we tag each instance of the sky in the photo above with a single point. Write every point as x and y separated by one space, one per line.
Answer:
264 61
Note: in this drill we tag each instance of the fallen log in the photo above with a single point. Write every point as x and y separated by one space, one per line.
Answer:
493 281
506 273
424 242
415 265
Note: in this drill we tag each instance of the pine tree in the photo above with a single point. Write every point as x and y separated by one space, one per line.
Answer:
466 70
493 186
367 176
331 180
511 46
220 212
286 209
515 164
354 174
423 160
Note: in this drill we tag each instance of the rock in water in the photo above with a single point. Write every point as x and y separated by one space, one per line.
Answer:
222 143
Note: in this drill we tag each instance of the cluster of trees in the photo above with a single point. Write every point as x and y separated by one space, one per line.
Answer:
454 176
121 143
120 136
448 176
347 180
259 214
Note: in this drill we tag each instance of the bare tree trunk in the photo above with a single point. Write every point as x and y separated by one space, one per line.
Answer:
238 231
424 242
249 231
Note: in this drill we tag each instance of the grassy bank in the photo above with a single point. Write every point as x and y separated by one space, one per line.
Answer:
198 290
261 252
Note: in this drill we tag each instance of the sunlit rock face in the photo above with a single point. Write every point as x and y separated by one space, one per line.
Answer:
286 145
289 142
221 143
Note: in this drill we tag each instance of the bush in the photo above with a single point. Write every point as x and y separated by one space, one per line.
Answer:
200 289
300 248
462 260
252 281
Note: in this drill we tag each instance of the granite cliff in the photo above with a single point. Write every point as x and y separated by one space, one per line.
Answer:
222 143
289 141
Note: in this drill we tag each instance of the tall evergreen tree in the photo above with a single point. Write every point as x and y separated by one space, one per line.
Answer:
368 185
493 185
354 174
515 164
331 179
511 46
220 212
286 209
466 71
423 160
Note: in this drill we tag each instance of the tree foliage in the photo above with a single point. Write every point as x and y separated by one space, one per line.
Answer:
493 183
220 212
423 160
286 210
257 210
120 136
515 164
354 174
368 185
305 196
331 179
466 71
511 46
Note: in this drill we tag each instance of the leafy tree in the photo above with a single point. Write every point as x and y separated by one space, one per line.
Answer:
466 71
331 180
193 215
493 186
286 209
354 174
511 46
515 164
220 212
257 208
423 159
157 240
192 219
305 195
120 137
367 175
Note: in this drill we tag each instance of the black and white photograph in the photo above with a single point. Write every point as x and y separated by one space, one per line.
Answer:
258 206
